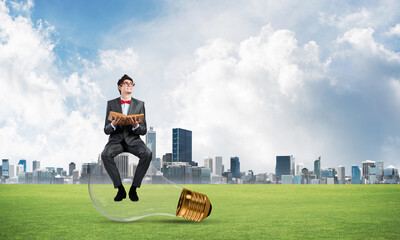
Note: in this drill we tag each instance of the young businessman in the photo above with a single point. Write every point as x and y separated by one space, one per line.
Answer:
126 138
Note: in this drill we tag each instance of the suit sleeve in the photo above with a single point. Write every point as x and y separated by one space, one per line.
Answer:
142 129
108 129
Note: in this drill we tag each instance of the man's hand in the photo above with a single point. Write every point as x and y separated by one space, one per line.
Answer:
116 121
134 121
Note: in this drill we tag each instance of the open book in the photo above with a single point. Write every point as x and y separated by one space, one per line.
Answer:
125 120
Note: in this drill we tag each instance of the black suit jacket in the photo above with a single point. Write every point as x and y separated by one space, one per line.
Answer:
125 132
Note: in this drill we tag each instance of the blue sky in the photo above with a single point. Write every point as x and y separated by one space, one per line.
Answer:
82 26
253 79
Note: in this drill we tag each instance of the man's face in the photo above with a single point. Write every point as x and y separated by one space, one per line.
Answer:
126 86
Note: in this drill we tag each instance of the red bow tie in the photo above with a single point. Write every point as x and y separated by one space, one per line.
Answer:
128 102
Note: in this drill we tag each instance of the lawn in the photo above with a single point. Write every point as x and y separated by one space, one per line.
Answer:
239 212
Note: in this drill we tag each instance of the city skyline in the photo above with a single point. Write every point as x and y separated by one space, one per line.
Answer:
370 172
244 78
151 142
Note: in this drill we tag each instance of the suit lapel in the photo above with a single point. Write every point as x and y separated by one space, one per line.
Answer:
118 105
132 106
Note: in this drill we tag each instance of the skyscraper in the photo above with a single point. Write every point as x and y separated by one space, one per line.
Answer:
380 176
365 168
5 169
72 167
355 175
166 158
122 162
151 142
208 163
299 167
218 166
11 170
235 167
19 169
305 175
87 169
373 173
22 162
182 145
341 175
283 166
317 168
35 165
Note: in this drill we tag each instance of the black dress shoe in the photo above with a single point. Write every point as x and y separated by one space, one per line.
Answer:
133 194
121 194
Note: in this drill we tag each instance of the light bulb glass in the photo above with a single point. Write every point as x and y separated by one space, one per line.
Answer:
163 198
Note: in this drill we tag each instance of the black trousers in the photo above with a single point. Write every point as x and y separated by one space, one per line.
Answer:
140 150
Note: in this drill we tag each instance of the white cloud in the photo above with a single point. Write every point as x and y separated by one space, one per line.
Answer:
362 18
394 31
363 41
238 101
23 7
113 59
298 86
36 121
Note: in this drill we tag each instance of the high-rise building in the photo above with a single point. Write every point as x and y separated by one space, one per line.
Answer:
217 169
157 163
151 143
292 166
235 167
182 172
380 175
391 175
72 167
23 163
208 163
283 166
166 159
59 170
355 175
75 175
328 173
122 162
21 175
35 165
248 177
341 175
305 176
19 169
272 177
11 170
5 168
132 169
299 167
182 145
317 168
365 168
87 169
205 175
373 174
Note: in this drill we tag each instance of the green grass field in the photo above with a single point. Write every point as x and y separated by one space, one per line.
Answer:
239 212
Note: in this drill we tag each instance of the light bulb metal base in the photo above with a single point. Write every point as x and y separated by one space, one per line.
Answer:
193 205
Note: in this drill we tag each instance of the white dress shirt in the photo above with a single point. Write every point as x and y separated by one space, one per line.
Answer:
125 109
